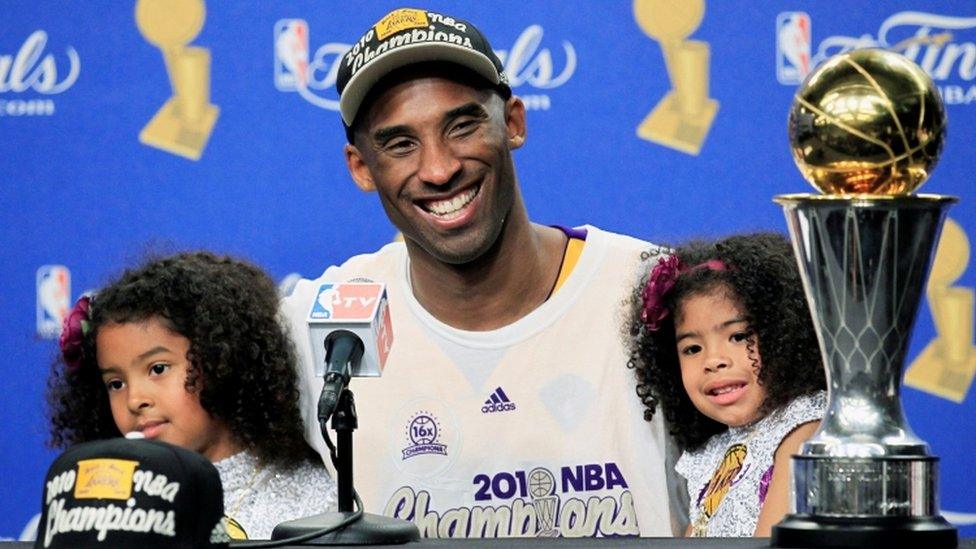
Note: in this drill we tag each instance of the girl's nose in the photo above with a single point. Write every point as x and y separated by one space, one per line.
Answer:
717 361
138 398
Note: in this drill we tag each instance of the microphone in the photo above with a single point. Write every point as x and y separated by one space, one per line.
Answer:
343 349
351 334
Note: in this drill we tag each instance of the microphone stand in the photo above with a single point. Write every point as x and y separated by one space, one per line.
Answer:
344 422
345 527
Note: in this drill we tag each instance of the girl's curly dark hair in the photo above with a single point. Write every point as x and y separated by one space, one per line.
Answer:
762 276
239 353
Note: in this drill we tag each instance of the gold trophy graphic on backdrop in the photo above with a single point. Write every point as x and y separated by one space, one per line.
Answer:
866 129
682 119
947 365
184 123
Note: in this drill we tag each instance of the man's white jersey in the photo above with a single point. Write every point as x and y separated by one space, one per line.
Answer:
533 429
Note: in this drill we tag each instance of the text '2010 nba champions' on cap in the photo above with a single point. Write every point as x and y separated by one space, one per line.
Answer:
408 36
131 493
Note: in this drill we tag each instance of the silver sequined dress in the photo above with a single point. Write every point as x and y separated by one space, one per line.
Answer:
261 497
744 475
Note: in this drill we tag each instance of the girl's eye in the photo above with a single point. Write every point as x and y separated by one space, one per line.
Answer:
114 385
158 368
690 350
739 337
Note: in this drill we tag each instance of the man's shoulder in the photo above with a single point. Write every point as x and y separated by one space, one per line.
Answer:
618 240
366 265
385 258
620 246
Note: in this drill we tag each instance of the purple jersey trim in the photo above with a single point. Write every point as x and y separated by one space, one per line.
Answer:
572 232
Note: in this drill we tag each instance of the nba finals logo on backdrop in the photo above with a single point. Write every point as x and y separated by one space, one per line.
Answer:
313 75
53 299
946 366
183 125
34 69
682 119
942 45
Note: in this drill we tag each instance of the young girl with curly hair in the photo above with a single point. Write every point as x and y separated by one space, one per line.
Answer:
724 345
188 350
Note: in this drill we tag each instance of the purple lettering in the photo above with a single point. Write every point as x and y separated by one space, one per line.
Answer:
615 478
569 479
594 477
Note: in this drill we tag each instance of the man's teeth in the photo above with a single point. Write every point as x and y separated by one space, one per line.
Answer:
451 208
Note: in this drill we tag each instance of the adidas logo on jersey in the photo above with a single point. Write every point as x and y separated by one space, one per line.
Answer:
498 402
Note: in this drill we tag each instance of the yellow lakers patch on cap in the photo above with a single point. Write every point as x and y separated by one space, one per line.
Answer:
105 479
401 19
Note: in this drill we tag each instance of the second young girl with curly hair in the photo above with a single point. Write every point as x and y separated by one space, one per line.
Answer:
724 346
188 350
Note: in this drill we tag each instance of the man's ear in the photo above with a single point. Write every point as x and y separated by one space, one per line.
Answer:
358 169
515 121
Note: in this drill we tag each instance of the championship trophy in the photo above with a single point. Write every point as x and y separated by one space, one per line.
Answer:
866 128
681 119
183 125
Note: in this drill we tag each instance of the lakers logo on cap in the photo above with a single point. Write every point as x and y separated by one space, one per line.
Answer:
105 479
399 20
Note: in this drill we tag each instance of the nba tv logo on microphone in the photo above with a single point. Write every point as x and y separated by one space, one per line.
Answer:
350 302
359 307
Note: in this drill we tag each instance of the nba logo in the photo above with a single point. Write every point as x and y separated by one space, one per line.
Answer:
792 47
323 307
53 297
291 54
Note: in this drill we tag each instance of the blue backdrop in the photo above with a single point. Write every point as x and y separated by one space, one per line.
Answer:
83 195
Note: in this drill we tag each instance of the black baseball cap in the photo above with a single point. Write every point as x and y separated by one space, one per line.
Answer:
131 493
407 36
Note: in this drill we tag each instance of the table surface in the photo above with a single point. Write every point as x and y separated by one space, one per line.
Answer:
563 543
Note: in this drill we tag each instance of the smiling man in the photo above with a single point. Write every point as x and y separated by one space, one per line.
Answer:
506 407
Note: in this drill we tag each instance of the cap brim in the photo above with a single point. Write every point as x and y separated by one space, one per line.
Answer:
364 80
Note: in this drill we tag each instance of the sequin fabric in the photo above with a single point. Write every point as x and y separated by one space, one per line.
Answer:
737 513
261 497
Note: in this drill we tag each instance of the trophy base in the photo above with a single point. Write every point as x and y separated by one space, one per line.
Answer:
889 487
169 132
667 126
809 531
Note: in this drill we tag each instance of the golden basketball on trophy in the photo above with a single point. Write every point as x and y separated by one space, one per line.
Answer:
867 122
